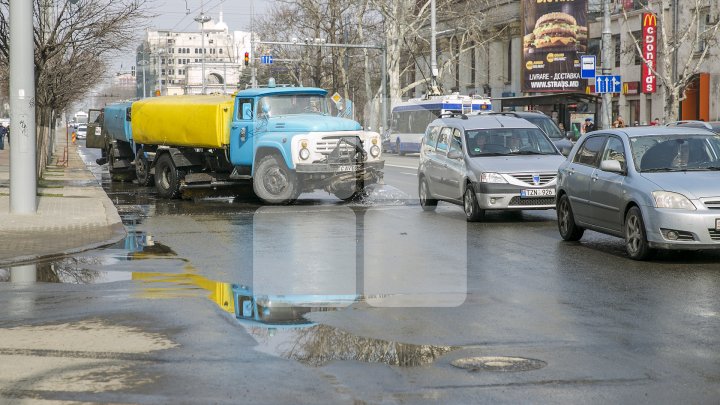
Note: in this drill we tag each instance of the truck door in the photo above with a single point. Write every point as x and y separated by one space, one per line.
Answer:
242 132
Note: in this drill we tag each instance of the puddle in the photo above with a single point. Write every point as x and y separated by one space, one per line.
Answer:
318 345
383 194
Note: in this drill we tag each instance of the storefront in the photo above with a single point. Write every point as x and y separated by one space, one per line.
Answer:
568 109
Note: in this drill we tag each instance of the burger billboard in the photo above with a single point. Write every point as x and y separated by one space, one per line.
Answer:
555 33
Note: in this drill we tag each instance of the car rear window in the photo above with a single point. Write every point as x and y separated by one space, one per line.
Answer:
588 153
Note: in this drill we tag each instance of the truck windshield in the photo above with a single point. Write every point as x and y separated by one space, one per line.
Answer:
288 104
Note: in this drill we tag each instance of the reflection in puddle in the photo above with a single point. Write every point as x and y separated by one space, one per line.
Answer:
320 344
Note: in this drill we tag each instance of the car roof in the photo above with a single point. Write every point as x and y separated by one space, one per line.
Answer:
484 122
636 132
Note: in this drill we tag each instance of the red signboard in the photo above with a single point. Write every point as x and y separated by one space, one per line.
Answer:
649 48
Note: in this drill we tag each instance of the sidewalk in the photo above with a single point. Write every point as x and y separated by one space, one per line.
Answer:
73 213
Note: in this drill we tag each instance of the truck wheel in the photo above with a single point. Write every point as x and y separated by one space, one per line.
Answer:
273 182
167 177
142 169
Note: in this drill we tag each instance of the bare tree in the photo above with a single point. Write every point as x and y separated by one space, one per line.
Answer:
74 44
690 43
407 31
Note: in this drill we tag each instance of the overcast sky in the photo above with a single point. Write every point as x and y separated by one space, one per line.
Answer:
178 15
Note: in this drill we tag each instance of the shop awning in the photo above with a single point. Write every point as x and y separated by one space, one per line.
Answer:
546 99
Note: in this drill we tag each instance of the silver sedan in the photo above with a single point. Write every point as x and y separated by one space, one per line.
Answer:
658 188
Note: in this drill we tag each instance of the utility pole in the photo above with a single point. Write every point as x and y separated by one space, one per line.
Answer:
253 70
202 19
23 171
433 50
606 117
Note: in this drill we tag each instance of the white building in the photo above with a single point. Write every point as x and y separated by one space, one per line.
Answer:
171 63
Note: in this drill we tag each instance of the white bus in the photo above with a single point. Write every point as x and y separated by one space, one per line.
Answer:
411 118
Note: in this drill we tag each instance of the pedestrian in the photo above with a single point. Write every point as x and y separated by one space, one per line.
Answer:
589 125
3 131
619 122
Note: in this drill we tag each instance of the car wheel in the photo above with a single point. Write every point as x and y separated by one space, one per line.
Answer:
142 169
274 183
426 201
167 177
636 242
566 220
473 213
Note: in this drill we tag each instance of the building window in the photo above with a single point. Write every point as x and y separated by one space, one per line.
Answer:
220 51
633 46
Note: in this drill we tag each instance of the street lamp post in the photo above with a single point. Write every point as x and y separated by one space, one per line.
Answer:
160 52
143 63
202 19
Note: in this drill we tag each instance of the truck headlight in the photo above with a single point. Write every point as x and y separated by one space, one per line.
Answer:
492 178
304 154
666 199
375 151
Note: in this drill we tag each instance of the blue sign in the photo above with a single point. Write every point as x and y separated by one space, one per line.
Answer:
266 59
587 65
608 84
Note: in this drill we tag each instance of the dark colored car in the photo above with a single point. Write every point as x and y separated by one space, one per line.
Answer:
547 125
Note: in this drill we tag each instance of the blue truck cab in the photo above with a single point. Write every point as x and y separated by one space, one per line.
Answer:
285 139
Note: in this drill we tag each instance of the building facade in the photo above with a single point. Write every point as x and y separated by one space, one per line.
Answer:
494 67
172 63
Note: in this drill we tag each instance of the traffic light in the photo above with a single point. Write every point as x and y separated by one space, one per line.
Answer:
247 58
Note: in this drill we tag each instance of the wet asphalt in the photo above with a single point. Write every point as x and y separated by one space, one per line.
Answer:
427 289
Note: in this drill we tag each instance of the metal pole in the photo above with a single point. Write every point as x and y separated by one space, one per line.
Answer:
202 61
606 117
433 49
23 171
253 71
144 64
384 100
675 35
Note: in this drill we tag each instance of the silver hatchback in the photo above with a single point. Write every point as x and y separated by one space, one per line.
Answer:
655 187
487 163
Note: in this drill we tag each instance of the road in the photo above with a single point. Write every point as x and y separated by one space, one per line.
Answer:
429 289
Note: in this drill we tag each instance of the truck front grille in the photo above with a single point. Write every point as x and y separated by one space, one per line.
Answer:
329 143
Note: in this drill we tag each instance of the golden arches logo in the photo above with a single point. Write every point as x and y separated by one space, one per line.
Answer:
649 20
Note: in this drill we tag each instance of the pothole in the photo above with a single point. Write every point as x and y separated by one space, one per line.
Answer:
498 363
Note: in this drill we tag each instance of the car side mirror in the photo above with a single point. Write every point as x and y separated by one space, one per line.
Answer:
455 154
612 166
569 134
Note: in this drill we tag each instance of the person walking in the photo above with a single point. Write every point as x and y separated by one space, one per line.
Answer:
3 131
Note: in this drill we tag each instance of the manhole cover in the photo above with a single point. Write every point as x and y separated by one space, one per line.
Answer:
498 363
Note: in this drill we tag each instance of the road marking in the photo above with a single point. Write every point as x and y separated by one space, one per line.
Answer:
409 174
402 167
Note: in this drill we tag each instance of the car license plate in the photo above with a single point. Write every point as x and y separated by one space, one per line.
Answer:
347 168
717 224
538 192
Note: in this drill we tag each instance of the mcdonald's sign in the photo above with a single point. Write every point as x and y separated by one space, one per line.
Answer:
649 50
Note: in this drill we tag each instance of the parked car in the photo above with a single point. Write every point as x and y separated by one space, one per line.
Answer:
81 131
713 126
487 162
656 187
551 129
